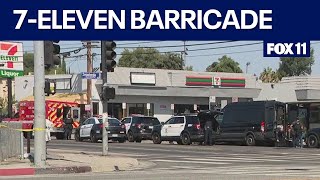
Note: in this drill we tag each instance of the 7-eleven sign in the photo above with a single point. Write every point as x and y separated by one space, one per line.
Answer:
217 81
11 59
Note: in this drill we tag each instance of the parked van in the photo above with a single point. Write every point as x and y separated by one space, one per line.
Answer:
250 122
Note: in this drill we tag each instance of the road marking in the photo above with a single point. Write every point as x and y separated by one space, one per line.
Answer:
219 159
181 161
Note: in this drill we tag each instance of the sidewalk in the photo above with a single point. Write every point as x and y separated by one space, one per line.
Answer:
64 162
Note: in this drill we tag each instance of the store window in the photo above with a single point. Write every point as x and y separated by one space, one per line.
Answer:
141 108
188 108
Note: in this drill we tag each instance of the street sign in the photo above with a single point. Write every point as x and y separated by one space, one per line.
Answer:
124 106
172 106
212 99
195 107
148 106
11 59
93 75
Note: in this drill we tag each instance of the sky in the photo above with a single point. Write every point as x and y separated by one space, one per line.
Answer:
199 59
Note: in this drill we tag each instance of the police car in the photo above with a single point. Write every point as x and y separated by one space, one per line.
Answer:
92 129
183 129
139 127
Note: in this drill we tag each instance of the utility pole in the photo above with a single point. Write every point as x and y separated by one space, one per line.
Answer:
184 52
39 105
9 83
89 70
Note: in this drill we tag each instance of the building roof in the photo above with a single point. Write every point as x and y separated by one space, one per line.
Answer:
75 98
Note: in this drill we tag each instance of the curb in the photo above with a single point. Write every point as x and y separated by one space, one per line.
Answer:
17 172
50 170
63 170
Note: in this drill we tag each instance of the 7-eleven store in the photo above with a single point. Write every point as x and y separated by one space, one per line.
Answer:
163 93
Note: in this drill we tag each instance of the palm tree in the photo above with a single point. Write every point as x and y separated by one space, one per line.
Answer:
269 76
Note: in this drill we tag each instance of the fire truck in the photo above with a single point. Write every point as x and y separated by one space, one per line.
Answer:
56 111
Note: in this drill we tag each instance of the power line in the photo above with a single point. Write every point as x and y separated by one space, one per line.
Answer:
175 46
146 42
236 52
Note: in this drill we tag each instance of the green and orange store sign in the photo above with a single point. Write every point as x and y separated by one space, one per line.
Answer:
215 81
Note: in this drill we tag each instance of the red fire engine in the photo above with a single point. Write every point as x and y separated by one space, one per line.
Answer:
56 111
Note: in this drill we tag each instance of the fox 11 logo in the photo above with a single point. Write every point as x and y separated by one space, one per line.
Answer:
286 49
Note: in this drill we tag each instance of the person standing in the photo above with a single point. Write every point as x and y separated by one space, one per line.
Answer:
208 133
68 127
303 135
279 135
297 128
49 125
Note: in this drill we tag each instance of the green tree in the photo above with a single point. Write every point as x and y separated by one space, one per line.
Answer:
28 63
225 64
296 66
150 58
269 76
188 68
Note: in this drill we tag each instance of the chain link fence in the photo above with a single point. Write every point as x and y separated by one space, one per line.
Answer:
10 140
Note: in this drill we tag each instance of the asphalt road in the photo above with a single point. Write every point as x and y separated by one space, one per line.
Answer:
205 162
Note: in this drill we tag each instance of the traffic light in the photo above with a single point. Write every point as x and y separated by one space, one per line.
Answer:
51 54
49 87
108 93
108 55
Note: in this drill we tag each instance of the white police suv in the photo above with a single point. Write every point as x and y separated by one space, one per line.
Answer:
183 129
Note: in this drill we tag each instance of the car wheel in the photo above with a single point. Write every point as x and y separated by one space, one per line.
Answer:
185 139
93 138
156 138
313 141
121 140
179 142
250 141
130 136
77 137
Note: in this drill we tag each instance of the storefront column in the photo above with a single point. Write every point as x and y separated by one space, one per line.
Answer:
100 108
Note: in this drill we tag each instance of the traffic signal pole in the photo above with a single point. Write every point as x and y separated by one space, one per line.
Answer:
39 105
105 145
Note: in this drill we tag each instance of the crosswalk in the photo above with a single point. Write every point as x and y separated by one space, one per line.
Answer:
282 164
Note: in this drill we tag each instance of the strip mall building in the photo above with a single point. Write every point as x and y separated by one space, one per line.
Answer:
162 93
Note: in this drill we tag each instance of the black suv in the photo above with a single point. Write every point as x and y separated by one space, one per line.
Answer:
184 129
140 127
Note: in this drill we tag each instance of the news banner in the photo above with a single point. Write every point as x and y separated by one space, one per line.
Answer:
286 27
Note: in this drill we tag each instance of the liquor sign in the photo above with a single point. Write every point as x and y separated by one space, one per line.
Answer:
11 59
